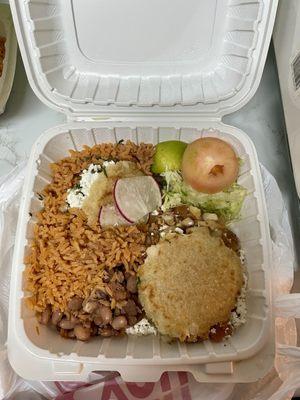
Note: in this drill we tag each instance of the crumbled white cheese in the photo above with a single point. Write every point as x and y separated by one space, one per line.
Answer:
242 256
179 230
238 317
88 177
107 163
143 327
155 212
75 198
76 195
163 227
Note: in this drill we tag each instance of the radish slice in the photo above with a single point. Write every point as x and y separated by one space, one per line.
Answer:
110 216
136 197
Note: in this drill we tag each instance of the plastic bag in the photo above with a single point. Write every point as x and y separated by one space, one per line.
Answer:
279 384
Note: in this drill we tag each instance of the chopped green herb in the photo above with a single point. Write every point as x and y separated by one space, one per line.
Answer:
120 141
77 186
138 280
87 158
103 169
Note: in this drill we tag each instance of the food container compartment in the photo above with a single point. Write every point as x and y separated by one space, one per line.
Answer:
116 353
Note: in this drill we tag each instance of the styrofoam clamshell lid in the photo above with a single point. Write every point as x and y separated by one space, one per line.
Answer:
139 56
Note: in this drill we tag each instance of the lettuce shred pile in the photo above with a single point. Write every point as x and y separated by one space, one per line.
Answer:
226 204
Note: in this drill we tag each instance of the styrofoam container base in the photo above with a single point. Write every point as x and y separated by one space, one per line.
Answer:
42 354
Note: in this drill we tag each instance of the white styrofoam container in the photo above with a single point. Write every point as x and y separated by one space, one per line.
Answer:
161 70
9 64
286 39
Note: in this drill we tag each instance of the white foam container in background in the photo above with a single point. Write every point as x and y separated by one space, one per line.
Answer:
9 63
146 71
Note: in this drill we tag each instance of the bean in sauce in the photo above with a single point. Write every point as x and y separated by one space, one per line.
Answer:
75 303
56 317
67 324
119 323
82 333
131 284
105 313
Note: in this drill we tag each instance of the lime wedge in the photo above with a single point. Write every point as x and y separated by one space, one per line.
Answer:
168 156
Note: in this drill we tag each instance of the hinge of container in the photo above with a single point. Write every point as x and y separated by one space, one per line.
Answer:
157 117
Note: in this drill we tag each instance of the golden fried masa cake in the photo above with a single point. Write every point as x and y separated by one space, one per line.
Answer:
189 283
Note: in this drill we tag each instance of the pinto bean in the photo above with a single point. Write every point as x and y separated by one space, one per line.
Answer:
56 317
105 314
67 324
130 308
187 222
82 333
75 303
119 323
98 320
106 332
131 284
118 291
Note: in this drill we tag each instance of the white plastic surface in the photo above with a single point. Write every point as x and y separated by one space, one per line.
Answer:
139 56
9 64
46 356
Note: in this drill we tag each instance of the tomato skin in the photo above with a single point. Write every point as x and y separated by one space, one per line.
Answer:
209 165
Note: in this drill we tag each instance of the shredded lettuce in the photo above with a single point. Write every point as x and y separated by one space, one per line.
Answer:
226 204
